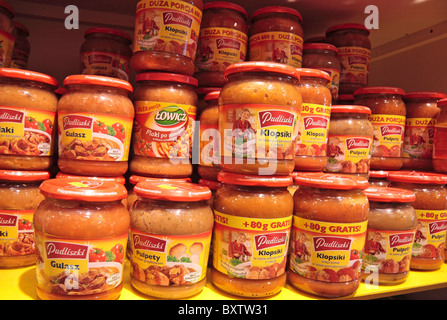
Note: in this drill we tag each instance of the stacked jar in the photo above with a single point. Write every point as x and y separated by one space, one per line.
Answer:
388 114
439 160
276 35
7 33
22 47
422 111
106 52
354 52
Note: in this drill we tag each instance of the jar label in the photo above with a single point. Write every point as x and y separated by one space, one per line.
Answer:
6 48
220 47
388 251
97 137
388 135
280 47
167 26
354 64
334 85
418 138
79 267
163 130
430 233
169 260
26 132
209 145
440 142
312 130
105 64
349 154
19 59
16 233
327 251
250 248
258 131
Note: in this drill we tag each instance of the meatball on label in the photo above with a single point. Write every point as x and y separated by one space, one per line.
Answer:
220 47
418 138
26 132
388 135
349 154
169 260
312 130
430 234
79 267
354 63
99 137
163 130
280 47
250 248
16 233
258 131
167 26
388 251
105 64
327 251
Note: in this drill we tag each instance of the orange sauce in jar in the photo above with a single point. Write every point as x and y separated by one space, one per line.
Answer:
439 160
81 231
328 233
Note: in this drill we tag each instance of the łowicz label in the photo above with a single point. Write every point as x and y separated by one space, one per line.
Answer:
388 251
388 135
312 130
105 64
97 137
168 26
258 131
418 138
80 267
430 233
354 64
26 132
16 232
220 47
163 130
349 154
181 259
250 248
327 251
6 48
280 47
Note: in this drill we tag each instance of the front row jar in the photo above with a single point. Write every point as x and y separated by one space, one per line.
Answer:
81 231
253 216
328 233
170 237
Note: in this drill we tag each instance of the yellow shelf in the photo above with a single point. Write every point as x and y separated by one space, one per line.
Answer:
19 284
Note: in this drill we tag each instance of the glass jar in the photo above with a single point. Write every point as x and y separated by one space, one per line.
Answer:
222 41
422 110
106 52
276 35
439 159
323 56
171 228
165 106
388 114
330 211
27 115
392 223
350 140
19 197
213 185
253 217
201 94
311 144
345 99
258 111
431 209
95 119
354 52
378 178
166 35
209 156
8 33
22 47
81 231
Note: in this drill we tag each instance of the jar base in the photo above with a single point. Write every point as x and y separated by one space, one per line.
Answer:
112 294
169 292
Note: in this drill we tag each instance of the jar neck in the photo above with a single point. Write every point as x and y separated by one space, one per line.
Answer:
84 204
313 81
349 115
380 96
106 36
27 83
164 84
321 52
255 189
96 88
281 15
172 204
354 31
226 12
261 75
